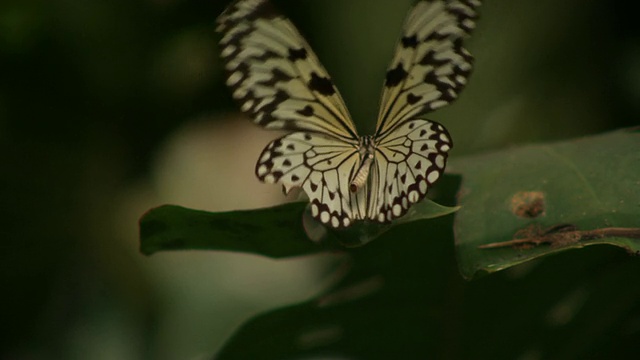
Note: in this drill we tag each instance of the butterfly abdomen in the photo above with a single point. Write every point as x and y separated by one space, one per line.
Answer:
362 174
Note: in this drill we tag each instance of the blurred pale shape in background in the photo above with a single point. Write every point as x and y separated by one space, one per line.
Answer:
209 165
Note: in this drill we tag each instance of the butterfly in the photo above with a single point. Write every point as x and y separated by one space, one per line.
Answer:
280 83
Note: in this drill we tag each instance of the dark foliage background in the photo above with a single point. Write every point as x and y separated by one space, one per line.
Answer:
91 90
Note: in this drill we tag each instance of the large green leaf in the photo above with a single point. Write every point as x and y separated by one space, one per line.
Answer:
548 198
276 232
404 299
393 301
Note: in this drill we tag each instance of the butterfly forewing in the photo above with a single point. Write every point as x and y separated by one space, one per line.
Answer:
430 67
409 160
274 74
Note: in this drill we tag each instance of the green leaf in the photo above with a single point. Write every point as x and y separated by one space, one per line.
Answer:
376 311
548 198
275 232
403 298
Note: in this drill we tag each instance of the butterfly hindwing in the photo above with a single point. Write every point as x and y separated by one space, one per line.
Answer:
274 74
408 161
321 166
430 67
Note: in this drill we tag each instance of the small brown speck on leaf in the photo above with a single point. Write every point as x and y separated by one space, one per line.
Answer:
528 204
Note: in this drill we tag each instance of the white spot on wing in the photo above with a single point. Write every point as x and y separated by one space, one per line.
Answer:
234 78
423 186
433 176
228 50
438 104
246 105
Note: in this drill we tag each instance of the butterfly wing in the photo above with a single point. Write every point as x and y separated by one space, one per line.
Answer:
279 82
430 67
408 161
274 74
320 165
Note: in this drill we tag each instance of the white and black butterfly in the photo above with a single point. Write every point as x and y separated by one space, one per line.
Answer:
280 83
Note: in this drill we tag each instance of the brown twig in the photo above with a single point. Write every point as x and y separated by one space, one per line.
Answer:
565 236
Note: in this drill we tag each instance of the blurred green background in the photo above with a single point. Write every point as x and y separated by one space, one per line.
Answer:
110 107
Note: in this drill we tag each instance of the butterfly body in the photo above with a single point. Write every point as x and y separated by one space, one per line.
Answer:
367 156
280 83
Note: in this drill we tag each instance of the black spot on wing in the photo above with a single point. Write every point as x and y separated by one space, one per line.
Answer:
395 76
321 84
306 111
437 36
409 41
430 59
277 76
267 109
297 54
268 54
412 99
431 78
263 10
